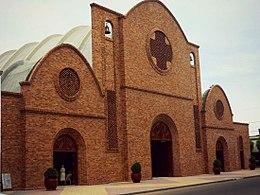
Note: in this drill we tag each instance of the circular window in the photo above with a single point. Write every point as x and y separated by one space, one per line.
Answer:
69 84
159 51
219 109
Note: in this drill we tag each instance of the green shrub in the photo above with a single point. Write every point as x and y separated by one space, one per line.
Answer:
51 173
252 160
216 163
136 167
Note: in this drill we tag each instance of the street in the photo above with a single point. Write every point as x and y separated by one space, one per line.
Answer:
237 187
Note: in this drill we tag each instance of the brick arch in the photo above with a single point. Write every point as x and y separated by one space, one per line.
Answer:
68 47
168 121
65 143
171 134
80 147
160 131
221 144
210 92
143 3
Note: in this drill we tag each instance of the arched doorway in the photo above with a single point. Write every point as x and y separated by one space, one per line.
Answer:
65 153
241 152
161 150
221 153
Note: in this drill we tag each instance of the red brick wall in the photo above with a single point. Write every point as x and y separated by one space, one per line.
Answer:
215 128
47 114
108 60
13 138
241 129
94 163
139 23
149 93
41 93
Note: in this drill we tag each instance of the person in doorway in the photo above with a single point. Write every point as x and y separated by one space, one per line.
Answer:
62 175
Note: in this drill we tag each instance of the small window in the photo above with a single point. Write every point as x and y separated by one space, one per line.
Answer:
219 109
108 29
159 51
192 59
68 84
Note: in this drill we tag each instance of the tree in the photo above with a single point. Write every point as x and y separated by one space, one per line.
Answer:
258 143
251 145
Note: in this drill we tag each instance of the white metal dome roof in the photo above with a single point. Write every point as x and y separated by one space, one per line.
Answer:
17 64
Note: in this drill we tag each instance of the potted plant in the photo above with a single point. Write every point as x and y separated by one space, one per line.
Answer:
51 179
252 161
136 172
216 167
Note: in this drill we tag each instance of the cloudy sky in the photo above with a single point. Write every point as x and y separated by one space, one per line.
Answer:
228 32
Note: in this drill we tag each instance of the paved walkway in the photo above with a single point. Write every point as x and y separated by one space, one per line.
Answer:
147 185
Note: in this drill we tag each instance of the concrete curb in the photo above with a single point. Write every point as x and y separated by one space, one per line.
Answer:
185 186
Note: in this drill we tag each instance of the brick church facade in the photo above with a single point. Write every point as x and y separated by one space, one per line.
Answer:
136 97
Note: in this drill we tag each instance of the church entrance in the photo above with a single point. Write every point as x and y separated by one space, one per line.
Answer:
220 154
161 150
65 153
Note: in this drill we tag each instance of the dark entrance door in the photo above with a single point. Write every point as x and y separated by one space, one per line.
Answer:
242 159
161 151
241 149
220 155
65 153
161 158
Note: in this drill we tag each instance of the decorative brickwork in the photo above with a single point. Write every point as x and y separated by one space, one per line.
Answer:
219 109
65 144
68 84
160 131
112 120
197 126
160 51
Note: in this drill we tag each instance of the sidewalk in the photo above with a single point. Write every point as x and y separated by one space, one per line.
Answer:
147 185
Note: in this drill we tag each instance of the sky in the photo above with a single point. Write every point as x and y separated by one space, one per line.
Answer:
228 32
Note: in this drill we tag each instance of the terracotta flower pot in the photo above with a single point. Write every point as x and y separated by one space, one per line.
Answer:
51 184
252 166
136 177
216 170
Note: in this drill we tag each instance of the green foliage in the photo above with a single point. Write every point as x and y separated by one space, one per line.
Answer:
136 167
216 163
258 143
51 173
252 160
251 145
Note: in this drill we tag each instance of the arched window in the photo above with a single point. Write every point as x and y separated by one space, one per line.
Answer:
192 59
108 29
